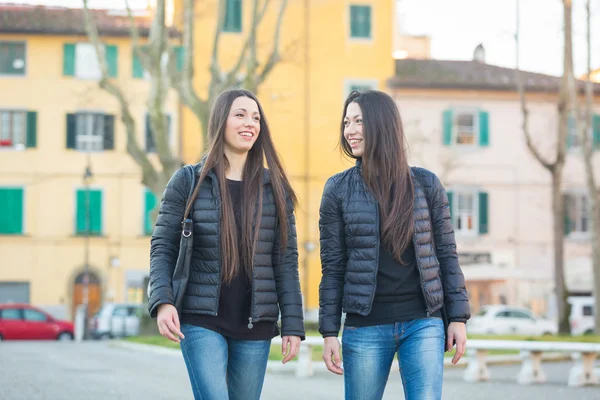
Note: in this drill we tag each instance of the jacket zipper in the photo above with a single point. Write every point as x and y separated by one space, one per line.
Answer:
377 250
427 309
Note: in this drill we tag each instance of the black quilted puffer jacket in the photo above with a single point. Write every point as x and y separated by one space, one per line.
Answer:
275 282
349 225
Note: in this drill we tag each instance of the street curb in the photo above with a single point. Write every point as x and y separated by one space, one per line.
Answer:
317 365
151 348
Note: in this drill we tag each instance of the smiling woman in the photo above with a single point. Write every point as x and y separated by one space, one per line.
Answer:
238 280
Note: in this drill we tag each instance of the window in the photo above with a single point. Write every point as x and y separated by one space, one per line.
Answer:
359 84
18 129
233 16
469 211
150 204
13 129
12 58
121 312
80 61
574 137
503 314
11 217
90 131
521 315
360 22
33 315
465 127
91 221
587 311
150 143
576 213
11 314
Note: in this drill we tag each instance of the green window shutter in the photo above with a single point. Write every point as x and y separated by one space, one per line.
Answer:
149 205
360 22
483 213
138 69
484 137
11 217
31 129
109 132
233 16
112 60
596 131
179 55
447 127
95 222
69 59
71 131
449 194
567 219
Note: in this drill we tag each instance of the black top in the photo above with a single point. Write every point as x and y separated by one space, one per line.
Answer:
399 293
232 319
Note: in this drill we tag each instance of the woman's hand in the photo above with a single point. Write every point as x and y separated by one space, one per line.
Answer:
168 323
457 332
331 355
289 347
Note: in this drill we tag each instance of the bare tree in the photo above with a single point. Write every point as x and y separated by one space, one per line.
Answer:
247 72
585 127
555 168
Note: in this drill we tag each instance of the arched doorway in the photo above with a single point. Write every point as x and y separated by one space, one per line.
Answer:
94 292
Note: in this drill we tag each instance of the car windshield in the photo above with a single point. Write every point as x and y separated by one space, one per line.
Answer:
482 312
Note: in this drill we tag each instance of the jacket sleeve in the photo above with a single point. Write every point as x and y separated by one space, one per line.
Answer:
287 281
456 300
333 262
164 245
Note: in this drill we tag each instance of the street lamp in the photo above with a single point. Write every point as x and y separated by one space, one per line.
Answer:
87 179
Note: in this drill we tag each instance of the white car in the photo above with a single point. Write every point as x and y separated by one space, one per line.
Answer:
116 320
509 320
582 315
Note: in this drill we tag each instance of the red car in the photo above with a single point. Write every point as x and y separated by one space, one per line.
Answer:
25 322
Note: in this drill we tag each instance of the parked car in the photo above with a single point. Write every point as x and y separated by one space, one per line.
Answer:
509 320
582 315
116 320
26 322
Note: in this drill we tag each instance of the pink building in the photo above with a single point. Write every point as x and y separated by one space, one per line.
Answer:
463 121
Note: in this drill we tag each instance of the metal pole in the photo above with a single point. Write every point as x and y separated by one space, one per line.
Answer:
307 225
86 246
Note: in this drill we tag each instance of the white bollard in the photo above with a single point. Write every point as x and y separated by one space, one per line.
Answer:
531 369
304 367
79 323
477 370
583 372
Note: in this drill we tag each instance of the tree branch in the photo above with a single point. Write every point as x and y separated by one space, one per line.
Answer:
525 112
274 58
232 76
149 173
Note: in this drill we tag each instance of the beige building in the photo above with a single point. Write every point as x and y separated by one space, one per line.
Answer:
463 121
54 119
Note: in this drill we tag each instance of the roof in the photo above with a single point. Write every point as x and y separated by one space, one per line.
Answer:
472 75
41 20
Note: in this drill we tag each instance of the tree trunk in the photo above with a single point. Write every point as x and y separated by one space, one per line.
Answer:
558 241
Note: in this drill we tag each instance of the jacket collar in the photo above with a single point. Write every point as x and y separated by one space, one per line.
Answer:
359 166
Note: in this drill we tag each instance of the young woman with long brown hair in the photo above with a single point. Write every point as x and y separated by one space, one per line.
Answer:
389 261
244 263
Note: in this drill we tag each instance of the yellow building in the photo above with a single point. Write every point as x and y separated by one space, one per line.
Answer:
53 119
328 48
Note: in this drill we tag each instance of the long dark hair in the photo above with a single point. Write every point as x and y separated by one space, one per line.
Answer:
232 253
385 168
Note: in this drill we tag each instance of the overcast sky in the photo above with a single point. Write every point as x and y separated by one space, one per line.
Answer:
458 26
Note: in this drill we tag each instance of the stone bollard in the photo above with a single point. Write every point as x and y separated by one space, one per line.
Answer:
583 372
304 367
477 370
531 369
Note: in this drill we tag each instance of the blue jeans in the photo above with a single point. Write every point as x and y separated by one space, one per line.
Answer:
368 353
224 369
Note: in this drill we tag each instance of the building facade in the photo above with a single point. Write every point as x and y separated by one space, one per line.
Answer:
56 124
463 120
